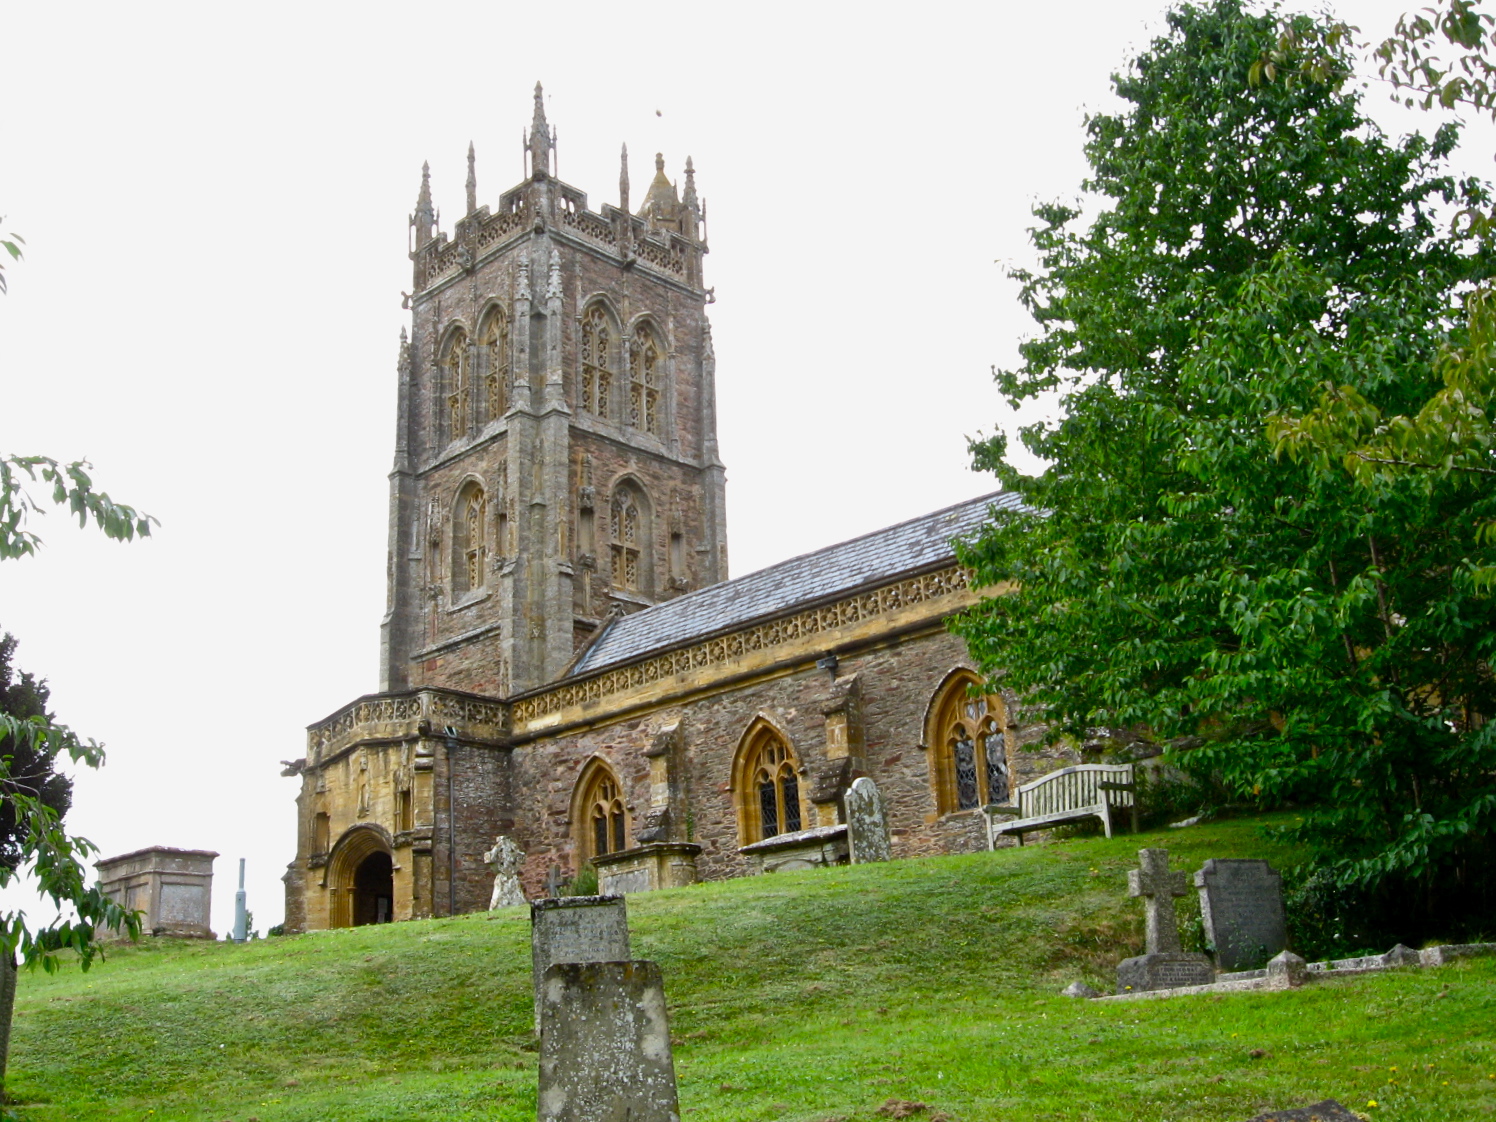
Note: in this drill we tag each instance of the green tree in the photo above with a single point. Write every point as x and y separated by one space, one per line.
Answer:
1453 431
34 845
23 697
1269 620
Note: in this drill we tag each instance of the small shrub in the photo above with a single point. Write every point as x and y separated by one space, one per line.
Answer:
584 883
1167 795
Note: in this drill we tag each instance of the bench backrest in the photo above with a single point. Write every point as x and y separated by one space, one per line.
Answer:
1073 787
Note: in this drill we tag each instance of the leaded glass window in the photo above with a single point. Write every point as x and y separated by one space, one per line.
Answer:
770 775
969 765
604 812
967 795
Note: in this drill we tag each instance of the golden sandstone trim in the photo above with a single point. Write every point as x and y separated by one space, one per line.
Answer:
831 617
430 704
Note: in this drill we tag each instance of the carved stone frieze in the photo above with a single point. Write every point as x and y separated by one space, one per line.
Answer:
765 636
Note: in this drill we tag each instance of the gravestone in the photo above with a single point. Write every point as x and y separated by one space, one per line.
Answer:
173 887
1327 1111
867 823
576 929
1165 965
1241 902
241 910
1286 971
504 859
1080 989
605 1045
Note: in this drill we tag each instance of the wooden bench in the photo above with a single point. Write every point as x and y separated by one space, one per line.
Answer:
1072 794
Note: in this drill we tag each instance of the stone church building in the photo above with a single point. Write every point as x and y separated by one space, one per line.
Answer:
563 657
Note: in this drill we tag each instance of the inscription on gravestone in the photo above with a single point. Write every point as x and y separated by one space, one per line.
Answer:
1165 966
1241 902
605 1045
576 929
867 823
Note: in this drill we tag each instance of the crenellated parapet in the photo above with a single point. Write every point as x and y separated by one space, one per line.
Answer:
627 239
666 238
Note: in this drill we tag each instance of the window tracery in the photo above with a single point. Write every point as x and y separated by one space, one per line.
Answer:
495 344
624 524
968 741
458 366
602 817
469 540
768 782
644 381
597 361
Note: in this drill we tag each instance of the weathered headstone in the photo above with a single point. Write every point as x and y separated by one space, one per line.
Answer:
605 1045
1241 902
1286 971
867 823
1327 1111
504 859
241 910
1080 989
173 887
576 929
1165 965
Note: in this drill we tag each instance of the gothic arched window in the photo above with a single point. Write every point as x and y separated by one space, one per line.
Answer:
597 361
968 746
628 525
469 540
494 341
644 380
601 817
457 375
767 780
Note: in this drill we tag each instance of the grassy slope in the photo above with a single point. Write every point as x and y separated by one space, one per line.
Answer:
801 996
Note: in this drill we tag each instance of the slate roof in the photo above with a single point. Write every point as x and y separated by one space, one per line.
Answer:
825 574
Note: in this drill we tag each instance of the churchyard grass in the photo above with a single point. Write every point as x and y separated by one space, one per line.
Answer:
798 996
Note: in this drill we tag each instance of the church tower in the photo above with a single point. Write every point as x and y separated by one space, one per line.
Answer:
556 454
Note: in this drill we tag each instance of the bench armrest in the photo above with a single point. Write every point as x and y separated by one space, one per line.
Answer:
994 809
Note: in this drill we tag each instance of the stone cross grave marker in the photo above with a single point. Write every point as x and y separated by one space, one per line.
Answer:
1158 886
576 929
504 859
553 881
1164 966
605 1045
1241 902
867 824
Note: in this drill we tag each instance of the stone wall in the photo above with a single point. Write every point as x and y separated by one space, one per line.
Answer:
897 681
544 461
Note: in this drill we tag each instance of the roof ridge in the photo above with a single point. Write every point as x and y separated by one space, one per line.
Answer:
682 616
827 549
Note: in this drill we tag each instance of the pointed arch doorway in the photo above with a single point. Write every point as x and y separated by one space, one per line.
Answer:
361 874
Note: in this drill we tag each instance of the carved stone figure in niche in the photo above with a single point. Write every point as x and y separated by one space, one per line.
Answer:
505 859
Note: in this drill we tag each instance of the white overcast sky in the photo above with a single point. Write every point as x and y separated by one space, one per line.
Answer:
214 200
